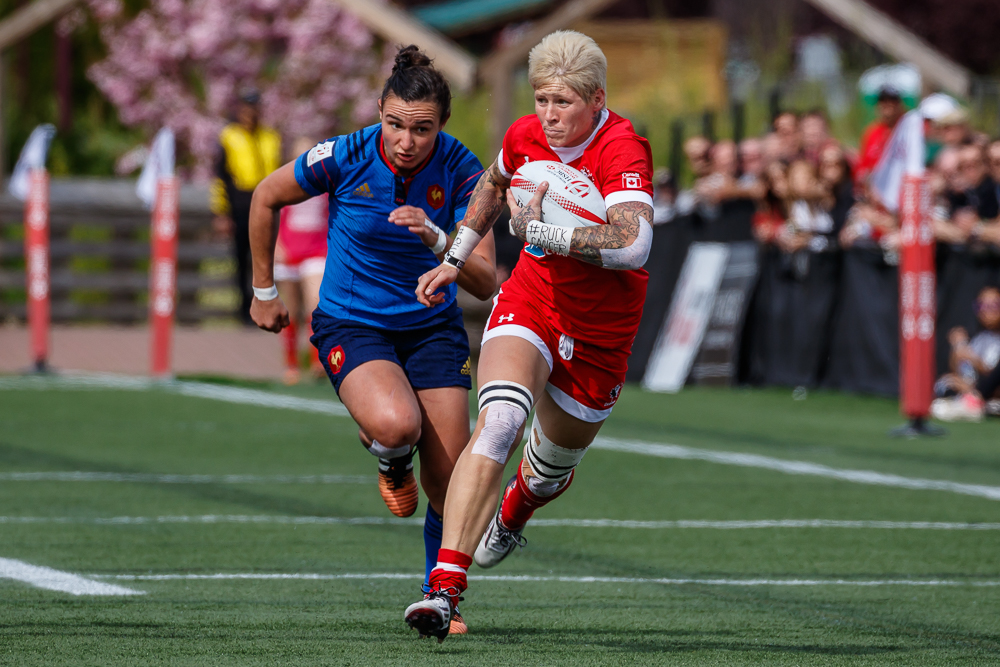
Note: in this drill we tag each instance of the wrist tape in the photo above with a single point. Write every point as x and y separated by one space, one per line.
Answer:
442 241
266 293
461 248
551 237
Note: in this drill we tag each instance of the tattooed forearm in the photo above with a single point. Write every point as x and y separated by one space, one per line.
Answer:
624 221
486 201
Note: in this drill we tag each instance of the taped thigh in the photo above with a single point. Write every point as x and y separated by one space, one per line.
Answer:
507 405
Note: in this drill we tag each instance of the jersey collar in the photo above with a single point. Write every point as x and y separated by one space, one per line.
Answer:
567 155
420 167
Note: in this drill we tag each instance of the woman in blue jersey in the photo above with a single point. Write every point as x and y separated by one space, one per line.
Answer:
396 190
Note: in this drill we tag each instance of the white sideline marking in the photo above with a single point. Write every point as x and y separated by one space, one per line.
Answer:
268 399
795 467
152 478
535 523
57 580
572 580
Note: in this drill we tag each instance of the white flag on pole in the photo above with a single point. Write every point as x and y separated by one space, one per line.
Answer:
33 155
159 163
903 155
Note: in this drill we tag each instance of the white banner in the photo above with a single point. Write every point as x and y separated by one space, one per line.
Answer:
680 338
904 154
159 164
33 155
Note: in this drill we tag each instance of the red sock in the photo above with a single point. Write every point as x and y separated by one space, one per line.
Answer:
449 573
290 337
519 503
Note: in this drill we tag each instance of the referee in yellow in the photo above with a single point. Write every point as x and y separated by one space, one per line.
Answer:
248 152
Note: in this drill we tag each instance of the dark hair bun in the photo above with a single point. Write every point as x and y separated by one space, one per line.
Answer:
410 56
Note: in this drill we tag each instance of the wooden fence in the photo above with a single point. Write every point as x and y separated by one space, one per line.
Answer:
99 255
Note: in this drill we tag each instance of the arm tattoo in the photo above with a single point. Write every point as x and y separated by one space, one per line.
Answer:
621 231
487 201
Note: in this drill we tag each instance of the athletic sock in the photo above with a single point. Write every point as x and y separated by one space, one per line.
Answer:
449 573
519 503
290 336
432 543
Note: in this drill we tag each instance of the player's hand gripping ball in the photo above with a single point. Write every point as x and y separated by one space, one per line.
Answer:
572 199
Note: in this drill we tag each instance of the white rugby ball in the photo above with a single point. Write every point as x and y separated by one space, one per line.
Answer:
572 199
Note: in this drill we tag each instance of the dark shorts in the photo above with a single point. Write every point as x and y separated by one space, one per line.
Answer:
432 357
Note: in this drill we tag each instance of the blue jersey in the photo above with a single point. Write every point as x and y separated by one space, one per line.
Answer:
372 265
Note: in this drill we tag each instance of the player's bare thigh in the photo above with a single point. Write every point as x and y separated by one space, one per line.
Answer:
445 433
310 292
518 360
381 401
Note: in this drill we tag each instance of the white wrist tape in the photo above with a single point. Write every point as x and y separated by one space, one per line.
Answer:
551 237
442 241
266 293
461 248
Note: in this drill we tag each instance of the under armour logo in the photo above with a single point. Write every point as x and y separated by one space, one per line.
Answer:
510 318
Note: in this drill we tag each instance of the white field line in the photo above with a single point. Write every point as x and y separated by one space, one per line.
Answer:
514 578
268 399
57 580
152 478
535 523
795 467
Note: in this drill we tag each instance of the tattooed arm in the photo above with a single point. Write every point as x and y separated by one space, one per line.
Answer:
486 201
623 243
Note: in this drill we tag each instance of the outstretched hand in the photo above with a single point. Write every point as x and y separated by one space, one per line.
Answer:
269 315
440 276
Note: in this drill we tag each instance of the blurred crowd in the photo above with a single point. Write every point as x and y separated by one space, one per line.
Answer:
809 191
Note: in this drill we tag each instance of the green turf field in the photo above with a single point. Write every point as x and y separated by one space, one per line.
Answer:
855 593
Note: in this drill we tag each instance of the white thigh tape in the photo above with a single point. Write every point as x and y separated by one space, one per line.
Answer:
506 392
549 461
499 434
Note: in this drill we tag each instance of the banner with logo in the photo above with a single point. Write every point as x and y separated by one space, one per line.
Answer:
681 335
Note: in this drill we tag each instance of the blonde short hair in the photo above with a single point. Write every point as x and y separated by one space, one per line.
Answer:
570 58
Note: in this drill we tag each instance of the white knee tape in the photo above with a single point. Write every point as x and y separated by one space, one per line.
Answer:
499 434
550 463
383 452
507 405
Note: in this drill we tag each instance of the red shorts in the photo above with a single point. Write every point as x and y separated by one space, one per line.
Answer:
584 380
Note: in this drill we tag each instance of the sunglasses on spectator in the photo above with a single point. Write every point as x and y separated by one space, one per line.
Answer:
985 306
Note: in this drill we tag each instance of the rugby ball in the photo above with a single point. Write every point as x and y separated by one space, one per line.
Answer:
572 199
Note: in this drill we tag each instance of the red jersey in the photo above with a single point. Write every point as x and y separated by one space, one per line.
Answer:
872 144
302 229
586 302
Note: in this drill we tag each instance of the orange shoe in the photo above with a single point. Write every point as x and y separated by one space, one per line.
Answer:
397 485
458 626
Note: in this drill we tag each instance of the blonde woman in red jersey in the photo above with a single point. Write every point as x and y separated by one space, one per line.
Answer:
562 327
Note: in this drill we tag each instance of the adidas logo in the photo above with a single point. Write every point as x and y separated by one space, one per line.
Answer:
467 368
364 191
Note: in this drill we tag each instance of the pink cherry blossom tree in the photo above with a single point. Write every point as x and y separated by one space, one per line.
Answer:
181 64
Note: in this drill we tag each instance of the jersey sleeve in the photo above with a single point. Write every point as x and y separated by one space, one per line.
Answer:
506 160
317 171
627 172
465 179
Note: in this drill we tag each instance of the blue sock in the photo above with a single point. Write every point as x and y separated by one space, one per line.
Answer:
432 542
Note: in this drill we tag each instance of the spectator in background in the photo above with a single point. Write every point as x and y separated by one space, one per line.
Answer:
789 139
247 153
964 391
974 202
808 204
769 218
835 176
889 109
717 185
664 195
815 134
697 150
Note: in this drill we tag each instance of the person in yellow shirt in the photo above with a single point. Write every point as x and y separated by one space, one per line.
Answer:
248 152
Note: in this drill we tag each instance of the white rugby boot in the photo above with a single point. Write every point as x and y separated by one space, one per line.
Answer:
498 540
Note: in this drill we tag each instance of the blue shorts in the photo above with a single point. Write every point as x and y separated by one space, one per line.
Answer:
432 357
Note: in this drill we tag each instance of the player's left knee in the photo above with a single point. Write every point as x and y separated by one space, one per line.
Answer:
551 465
